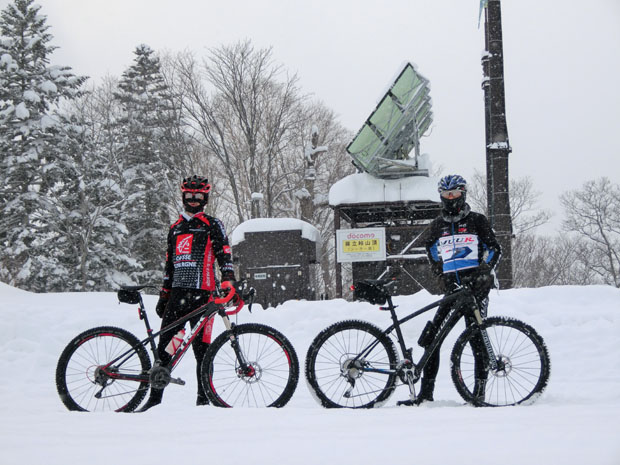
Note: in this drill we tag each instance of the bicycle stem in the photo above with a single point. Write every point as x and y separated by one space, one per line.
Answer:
149 330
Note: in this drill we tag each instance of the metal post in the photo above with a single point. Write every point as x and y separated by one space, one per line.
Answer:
338 265
498 147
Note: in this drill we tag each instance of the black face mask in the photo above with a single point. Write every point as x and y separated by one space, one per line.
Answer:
453 206
193 210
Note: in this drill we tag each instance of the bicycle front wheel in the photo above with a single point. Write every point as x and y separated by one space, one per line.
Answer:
271 368
522 359
84 386
340 375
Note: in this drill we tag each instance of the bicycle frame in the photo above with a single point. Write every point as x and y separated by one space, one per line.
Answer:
461 298
207 311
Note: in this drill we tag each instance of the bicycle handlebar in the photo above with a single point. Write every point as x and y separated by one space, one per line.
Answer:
227 297
237 309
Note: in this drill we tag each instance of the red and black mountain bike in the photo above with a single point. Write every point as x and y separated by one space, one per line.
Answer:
109 369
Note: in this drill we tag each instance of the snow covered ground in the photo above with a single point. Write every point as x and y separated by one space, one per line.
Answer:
576 421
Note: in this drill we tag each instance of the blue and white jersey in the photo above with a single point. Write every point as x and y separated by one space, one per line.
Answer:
458 252
462 245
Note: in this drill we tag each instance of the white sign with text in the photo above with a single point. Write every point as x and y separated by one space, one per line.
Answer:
360 245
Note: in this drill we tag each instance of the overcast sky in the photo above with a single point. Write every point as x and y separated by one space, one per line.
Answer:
562 66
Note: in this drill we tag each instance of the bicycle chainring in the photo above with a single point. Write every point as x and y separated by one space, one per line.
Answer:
159 377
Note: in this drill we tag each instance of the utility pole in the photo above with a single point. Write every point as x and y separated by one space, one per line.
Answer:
497 145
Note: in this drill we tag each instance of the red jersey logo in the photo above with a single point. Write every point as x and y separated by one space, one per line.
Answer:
184 244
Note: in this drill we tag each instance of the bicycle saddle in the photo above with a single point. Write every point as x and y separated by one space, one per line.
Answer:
130 294
371 290
135 288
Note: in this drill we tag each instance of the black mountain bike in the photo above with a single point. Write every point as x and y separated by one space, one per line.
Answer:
109 369
354 363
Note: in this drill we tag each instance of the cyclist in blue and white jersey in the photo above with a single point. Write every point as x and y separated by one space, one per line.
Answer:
460 244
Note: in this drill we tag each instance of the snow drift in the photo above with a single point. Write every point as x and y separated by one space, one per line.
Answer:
576 421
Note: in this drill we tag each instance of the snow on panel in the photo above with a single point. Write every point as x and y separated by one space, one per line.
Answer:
274 224
364 188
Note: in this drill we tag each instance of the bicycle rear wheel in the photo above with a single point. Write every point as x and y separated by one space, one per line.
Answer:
338 378
270 379
81 383
522 358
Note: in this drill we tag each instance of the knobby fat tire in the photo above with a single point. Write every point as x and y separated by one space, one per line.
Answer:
287 358
87 363
334 336
520 391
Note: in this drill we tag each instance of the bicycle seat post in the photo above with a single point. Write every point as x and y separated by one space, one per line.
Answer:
149 330
399 333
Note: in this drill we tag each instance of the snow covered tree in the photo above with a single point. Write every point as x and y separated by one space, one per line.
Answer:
93 253
253 122
551 261
147 160
529 252
328 168
245 124
593 214
525 215
30 91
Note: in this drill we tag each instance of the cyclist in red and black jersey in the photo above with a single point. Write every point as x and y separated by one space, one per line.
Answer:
195 243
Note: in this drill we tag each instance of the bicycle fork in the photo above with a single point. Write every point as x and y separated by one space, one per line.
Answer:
486 341
245 369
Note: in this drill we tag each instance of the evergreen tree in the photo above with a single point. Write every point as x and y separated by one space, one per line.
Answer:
30 90
148 170
91 237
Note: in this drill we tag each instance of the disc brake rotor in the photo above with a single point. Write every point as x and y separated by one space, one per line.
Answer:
253 373
504 367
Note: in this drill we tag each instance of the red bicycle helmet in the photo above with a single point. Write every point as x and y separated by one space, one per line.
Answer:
195 184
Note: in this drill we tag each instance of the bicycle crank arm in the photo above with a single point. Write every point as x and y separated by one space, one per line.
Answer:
178 381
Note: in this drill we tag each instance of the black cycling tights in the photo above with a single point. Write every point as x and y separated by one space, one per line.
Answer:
432 366
183 301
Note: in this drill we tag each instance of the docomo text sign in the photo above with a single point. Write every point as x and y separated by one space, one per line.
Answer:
354 235
360 245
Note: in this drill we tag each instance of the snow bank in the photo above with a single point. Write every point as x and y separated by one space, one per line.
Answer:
575 422
364 188
274 224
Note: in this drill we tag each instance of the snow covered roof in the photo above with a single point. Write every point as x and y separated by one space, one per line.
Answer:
364 188
274 224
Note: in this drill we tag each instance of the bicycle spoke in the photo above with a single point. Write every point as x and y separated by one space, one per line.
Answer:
339 374
268 379
521 358
79 375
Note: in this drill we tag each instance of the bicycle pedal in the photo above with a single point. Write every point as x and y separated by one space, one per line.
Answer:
178 381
